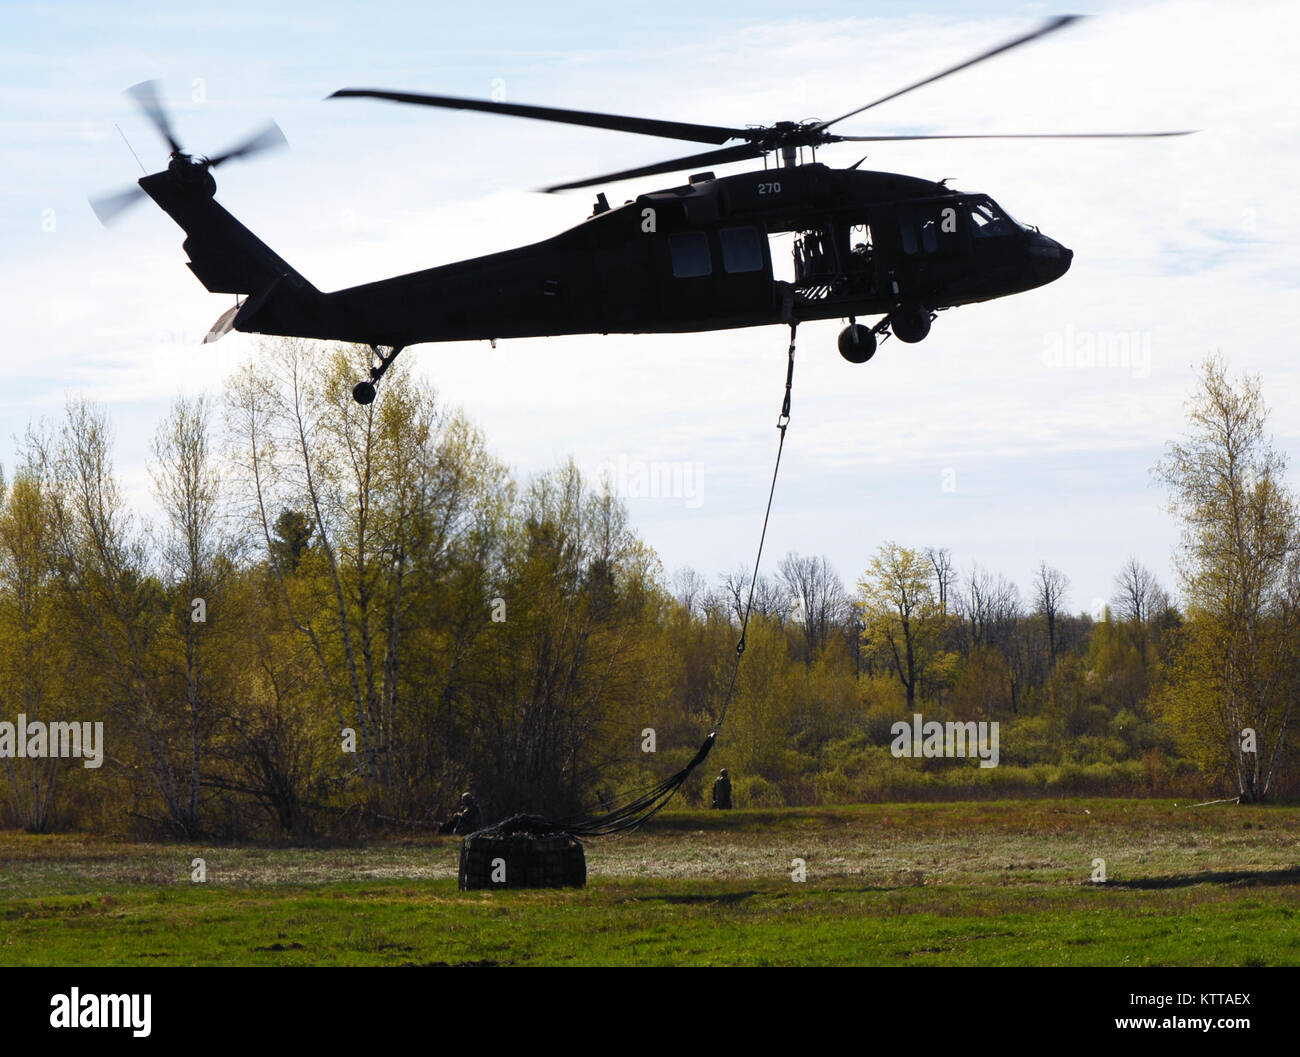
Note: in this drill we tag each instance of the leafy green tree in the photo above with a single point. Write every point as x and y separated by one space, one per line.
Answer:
193 656
119 614
33 655
401 499
290 539
578 653
1236 675
901 615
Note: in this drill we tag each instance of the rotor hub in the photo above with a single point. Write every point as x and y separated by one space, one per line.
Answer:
786 136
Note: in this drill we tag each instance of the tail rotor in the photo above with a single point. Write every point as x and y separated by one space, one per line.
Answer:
193 170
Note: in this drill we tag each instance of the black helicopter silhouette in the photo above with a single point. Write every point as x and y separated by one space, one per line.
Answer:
690 258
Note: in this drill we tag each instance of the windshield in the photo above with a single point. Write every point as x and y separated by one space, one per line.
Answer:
990 220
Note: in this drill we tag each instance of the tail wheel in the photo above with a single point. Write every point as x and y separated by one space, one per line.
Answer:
910 322
857 343
363 393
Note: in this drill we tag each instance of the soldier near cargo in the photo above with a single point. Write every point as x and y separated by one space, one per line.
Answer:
722 791
468 819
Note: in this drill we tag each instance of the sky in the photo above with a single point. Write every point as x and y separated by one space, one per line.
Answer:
993 437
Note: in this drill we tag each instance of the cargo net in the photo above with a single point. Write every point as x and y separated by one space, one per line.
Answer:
651 801
627 817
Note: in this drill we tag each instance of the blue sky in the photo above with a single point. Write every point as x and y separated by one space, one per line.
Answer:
982 438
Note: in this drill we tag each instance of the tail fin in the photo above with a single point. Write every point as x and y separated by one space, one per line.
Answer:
227 258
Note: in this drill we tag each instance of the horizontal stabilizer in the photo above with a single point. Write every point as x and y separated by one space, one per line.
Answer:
224 325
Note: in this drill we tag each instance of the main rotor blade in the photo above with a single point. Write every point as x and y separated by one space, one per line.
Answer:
713 157
1026 135
107 207
1049 27
146 94
645 126
268 139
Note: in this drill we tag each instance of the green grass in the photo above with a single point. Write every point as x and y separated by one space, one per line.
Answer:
1005 883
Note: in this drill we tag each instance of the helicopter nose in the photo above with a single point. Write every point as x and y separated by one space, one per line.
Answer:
1050 259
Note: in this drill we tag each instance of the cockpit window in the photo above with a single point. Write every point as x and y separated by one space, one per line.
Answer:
989 220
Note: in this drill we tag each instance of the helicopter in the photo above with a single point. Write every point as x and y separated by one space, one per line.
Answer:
691 258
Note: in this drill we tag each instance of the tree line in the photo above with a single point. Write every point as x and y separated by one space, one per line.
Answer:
343 616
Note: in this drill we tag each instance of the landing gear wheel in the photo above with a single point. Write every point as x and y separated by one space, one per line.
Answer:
364 392
910 323
857 343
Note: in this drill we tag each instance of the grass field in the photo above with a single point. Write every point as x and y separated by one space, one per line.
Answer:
1005 883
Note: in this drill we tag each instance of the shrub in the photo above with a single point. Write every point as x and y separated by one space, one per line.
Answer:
755 791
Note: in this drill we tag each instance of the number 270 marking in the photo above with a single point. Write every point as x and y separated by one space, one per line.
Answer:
770 188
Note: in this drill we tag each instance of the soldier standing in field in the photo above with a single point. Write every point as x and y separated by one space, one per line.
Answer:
722 791
468 819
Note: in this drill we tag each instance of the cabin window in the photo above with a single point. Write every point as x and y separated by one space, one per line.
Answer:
929 238
690 254
907 228
741 250
919 227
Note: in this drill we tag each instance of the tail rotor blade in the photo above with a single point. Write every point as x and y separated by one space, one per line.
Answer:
146 95
269 138
108 207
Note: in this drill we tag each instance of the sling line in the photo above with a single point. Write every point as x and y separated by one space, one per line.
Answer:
650 802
